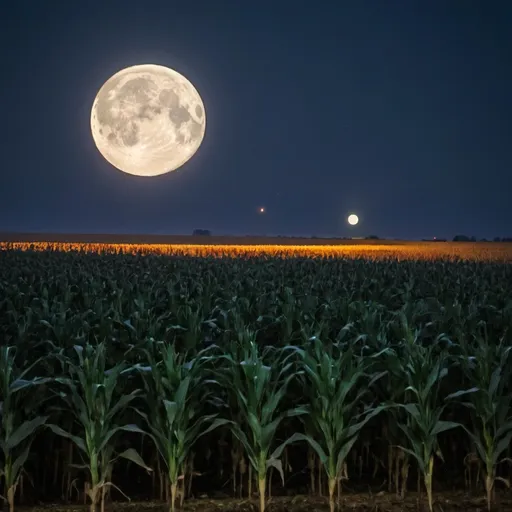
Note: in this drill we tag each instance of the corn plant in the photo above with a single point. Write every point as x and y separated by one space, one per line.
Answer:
19 420
257 382
488 369
90 393
423 368
336 383
177 390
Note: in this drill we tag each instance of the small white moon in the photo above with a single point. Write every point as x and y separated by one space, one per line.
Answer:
353 219
148 120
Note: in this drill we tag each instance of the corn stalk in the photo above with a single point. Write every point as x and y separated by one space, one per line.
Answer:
177 390
257 383
487 367
423 369
90 396
18 419
336 383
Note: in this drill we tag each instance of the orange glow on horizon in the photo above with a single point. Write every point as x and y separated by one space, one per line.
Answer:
500 252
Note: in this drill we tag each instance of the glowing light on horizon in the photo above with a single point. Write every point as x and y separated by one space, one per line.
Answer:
353 219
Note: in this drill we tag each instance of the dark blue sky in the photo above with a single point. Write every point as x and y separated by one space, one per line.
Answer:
397 110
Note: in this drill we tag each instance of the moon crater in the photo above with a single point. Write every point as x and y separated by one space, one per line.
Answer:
148 120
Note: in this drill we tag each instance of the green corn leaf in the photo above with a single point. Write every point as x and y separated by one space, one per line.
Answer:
132 455
26 429
78 441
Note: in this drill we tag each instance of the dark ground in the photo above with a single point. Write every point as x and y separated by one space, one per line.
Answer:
382 502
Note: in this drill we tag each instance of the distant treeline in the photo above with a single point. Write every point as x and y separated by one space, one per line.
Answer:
456 238
465 238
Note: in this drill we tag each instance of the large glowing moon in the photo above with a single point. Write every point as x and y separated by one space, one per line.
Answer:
148 120
353 219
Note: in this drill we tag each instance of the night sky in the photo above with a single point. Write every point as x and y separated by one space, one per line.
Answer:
399 111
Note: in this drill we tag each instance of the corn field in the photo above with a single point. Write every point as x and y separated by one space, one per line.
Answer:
177 374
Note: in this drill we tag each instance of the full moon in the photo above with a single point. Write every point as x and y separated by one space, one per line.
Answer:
148 120
353 219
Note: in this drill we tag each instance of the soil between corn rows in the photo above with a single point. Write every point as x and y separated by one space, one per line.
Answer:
380 502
